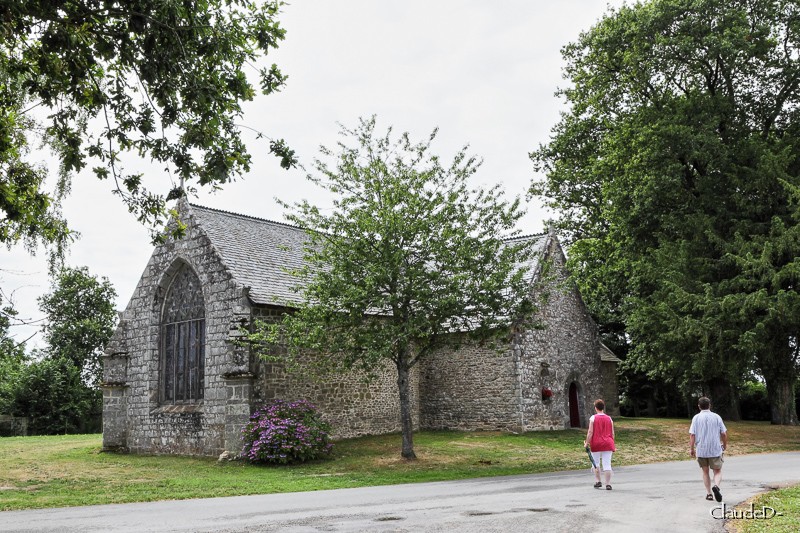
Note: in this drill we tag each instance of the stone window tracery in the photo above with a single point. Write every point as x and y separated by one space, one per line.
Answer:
183 339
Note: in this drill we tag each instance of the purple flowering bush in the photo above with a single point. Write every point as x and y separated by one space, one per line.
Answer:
282 432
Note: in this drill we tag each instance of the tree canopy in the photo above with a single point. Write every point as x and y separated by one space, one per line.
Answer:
57 388
95 79
80 320
410 260
676 170
12 358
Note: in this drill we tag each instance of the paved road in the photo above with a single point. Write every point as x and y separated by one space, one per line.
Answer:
666 497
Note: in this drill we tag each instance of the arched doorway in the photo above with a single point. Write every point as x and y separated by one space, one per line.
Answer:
574 411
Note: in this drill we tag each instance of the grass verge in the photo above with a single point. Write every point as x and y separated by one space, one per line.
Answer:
785 501
58 471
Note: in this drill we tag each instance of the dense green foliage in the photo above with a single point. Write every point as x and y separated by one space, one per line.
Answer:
408 255
30 213
12 358
57 388
676 171
753 401
51 394
96 79
80 320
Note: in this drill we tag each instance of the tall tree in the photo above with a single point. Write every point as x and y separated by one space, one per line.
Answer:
30 212
408 261
674 170
57 391
80 320
12 358
99 78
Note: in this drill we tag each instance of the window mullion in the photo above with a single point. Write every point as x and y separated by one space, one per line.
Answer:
182 348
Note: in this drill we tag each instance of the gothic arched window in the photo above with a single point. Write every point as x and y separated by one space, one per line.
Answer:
183 331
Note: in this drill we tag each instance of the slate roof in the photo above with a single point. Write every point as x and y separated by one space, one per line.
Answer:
607 355
261 252
538 246
258 252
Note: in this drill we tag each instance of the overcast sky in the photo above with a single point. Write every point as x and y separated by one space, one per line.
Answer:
484 72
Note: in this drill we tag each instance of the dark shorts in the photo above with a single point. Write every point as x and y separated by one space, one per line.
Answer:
715 463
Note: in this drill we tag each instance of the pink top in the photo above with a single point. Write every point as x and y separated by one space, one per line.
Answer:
602 433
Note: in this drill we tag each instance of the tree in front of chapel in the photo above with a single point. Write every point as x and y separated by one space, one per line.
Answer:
410 259
675 170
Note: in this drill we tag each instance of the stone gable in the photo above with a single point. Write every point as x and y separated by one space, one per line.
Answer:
133 416
477 387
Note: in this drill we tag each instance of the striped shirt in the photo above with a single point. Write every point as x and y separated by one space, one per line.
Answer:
707 427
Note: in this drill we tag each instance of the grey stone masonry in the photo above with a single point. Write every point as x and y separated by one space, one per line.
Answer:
608 365
478 387
557 351
238 393
353 404
472 388
13 426
135 416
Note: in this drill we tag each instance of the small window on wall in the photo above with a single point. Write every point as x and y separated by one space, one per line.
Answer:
183 331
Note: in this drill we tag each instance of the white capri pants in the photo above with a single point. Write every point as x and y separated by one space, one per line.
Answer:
603 460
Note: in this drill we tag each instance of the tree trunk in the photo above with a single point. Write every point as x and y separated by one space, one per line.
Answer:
669 400
406 422
723 399
780 393
652 409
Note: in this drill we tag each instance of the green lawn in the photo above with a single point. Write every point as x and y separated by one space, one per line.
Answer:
37 472
784 501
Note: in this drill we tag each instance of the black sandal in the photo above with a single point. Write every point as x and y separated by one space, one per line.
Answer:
608 487
709 497
598 485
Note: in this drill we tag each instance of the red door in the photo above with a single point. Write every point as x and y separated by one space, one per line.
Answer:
574 414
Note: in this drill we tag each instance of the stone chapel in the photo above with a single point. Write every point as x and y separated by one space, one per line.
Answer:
175 380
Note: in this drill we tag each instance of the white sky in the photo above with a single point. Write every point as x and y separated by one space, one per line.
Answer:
483 72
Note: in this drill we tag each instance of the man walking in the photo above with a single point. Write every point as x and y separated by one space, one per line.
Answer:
708 439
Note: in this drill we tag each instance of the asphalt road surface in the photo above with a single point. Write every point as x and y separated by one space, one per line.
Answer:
666 497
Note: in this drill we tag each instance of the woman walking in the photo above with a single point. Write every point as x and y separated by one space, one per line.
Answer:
600 439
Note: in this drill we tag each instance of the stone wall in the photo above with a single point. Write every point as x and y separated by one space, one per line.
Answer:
471 388
353 404
133 416
610 387
477 388
563 349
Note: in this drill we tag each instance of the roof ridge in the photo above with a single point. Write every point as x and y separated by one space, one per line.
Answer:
286 224
528 236
242 215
